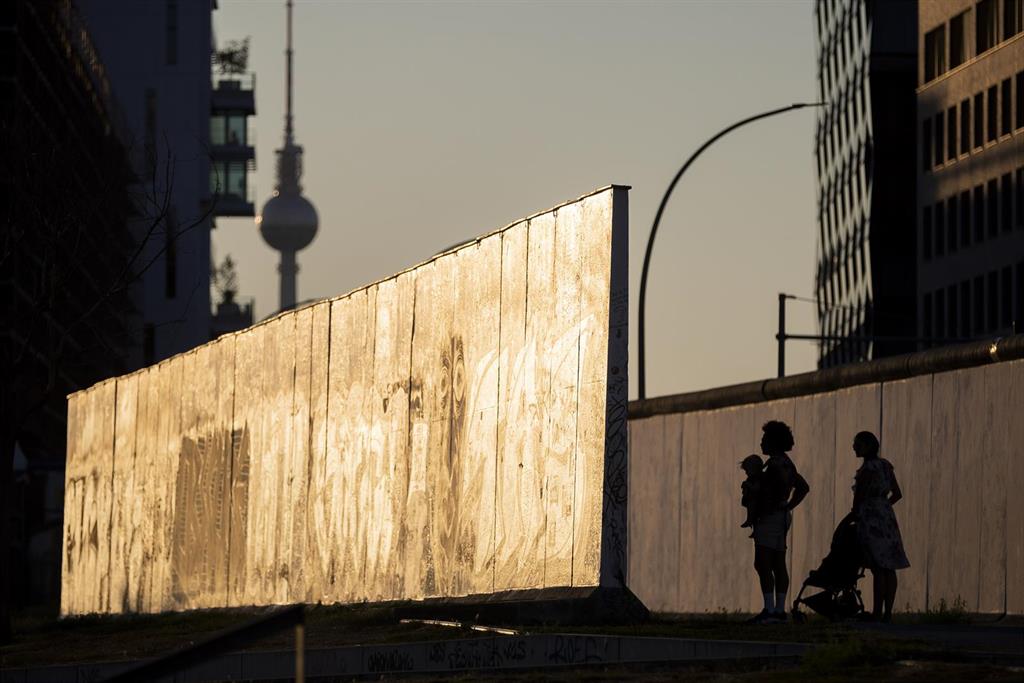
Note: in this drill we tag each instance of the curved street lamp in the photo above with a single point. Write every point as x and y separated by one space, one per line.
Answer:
661 209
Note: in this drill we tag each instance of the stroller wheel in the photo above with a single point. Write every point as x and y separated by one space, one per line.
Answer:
799 617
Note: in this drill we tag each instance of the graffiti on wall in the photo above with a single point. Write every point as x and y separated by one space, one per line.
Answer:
457 429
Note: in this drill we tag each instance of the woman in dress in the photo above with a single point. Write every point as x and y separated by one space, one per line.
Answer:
875 491
782 490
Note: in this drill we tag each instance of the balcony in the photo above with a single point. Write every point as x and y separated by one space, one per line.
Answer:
233 139
233 92
230 191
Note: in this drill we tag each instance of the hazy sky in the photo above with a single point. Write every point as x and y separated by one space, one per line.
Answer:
428 123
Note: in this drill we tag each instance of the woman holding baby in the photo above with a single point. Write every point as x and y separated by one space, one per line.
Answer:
780 489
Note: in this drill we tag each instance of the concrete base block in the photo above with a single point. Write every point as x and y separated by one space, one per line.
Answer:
565 606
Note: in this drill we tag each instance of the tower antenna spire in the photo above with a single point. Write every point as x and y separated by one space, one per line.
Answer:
289 220
288 78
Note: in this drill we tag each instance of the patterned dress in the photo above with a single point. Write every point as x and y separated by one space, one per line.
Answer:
877 530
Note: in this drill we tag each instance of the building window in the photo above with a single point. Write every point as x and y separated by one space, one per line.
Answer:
993 113
940 230
965 126
236 129
1007 101
993 300
1006 195
1019 123
965 218
171 255
228 129
217 136
993 208
935 53
979 120
940 133
926 144
172 32
986 25
1019 325
965 309
979 304
926 233
957 44
979 214
1013 22
1007 297
951 133
1020 200
940 312
952 216
228 179
951 312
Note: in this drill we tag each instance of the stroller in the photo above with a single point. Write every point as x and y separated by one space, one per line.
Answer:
837 576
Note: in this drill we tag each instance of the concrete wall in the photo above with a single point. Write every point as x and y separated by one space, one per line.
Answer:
457 429
954 439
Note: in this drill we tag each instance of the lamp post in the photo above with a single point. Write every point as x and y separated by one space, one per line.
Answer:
657 219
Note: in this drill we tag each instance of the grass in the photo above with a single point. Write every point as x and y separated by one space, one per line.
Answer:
946 614
844 651
107 638
928 672
716 627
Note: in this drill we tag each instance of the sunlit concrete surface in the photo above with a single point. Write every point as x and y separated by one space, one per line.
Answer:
456 429
954 439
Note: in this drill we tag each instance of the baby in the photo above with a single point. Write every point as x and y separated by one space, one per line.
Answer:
751 488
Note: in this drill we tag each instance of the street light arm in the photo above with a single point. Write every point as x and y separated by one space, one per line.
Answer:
661 210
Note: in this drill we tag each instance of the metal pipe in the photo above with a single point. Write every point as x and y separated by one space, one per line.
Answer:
300 652
877 338
657 220
781 334
288 78
886 369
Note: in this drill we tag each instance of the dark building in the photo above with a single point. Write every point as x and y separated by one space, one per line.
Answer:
67 314
864 148
188 130
970 171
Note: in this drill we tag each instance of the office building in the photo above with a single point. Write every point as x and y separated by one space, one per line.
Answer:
864 150
970 171
67 315
190 146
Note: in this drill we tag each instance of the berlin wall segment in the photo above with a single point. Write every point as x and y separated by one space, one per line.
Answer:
456 429
952 434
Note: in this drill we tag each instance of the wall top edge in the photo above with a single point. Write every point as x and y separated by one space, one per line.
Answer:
612 187
971 354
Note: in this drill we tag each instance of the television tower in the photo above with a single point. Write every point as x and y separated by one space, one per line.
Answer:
288 221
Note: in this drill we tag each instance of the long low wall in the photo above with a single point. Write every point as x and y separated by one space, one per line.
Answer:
955 439
457 429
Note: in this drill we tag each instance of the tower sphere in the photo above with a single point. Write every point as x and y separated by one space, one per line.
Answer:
288 222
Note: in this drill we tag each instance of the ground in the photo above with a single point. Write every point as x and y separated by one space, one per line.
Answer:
933 647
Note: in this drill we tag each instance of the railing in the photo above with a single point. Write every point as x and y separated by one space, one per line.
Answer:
232 639
242 81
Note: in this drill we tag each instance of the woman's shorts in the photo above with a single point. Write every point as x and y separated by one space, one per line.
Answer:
770 530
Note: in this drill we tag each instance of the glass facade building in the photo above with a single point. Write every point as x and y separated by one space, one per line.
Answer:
970 170
864 151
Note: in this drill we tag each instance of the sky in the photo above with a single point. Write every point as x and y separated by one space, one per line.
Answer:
427 123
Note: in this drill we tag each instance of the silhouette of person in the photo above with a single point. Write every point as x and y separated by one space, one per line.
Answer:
782 489
875 491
